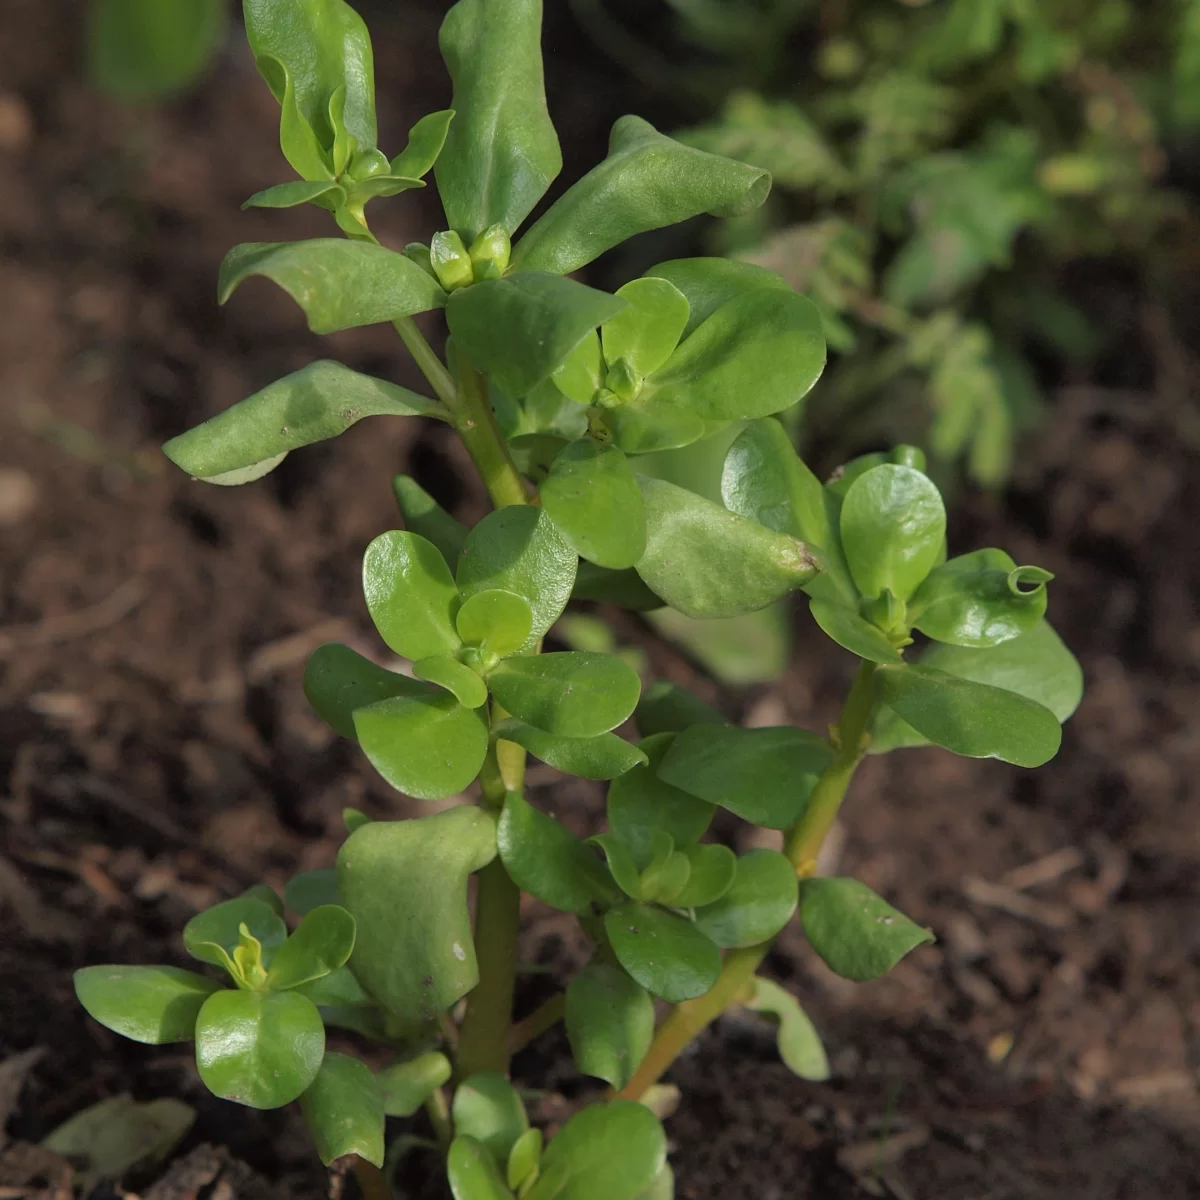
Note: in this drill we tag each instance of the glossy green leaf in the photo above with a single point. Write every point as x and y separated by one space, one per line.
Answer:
893 527
593 497
763 775
852 632
502 152
487 1108
425 516
711 875
142 49
497 621
622 588
610 1023
621 865
318 402
261 1049
645 335
857 933
573 694
473 1172
979 600
405 883
321 943
709 283
641 804
519 549
666 954
705 561
764 480
268 895
307 890
338 680
604 757
411 595
425 142
339 989
637 430
581 374
517 330
758 904
459 680
153 1005
648 181
524 1157
756 355
665 707
339 284
407 1085
548 861
299 191
604 1152
970 718
343 1109
211 936
799 1043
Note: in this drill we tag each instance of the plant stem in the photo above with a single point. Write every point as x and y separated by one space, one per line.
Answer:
371 1180
427 360
439 1117
476 426
802 844
533 1026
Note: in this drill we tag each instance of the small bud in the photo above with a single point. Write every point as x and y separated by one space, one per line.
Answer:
622 381
490 252
887 612
367 163
450 260
909 456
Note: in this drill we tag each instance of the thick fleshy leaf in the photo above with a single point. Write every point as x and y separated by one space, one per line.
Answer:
411 595
979 600
299 191
705 561
261 1049
487 1108
757 906
763 775
407 1085
857 933
969 718
665 953
523 1158
343 1109
318 402
321 943
581 374
621 865
212 935
338 680
764 480
519 549
425 516
622 588
640 804
648 181
339 989
405 883
709 283
517 330
610 1023
645 335
604 757
502 152
473 1172
459 680
650 430
893 527
339 284
756 355
325 48
573 694
497 621
592 495
852 632
604 1152
665 707
548 861
425 142
307 890
154 1005
711 875
799 1043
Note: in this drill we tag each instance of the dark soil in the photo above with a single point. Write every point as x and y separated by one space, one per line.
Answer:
156 753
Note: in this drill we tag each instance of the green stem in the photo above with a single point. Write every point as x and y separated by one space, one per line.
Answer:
476 425
802 844
439 1118
371 1180
427 360
533 1026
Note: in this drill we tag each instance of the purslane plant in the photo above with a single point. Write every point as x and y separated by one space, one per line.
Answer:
555 390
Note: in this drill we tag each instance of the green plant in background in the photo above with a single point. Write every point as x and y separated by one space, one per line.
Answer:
558 391
934 160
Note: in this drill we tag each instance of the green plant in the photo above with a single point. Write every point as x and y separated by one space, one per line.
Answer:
936 163
555 389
